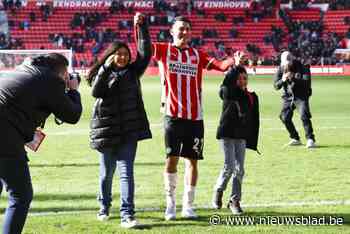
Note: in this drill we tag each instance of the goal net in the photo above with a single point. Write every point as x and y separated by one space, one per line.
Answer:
9 59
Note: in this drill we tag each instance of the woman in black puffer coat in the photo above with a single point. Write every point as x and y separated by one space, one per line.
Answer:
119 119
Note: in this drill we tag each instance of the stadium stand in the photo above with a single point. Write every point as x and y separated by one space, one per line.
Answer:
260 30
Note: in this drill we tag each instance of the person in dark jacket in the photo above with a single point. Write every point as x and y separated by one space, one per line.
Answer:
238 130
294 78
28 95
119 119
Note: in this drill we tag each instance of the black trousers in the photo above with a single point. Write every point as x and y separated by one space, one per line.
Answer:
15 177
288 106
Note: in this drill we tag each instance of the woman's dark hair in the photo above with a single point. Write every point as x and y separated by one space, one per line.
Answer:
108 52
54 61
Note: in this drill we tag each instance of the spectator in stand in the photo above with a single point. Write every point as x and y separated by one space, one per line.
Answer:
4 43
209 33
45 11
18 4
220 17
347 20
196 42
233 33
153 20
76 21
339 5
200 13
32 16
96 48
8 4
255 10
254 49
125 24
24 25
347 34
238 20
299 4
116 6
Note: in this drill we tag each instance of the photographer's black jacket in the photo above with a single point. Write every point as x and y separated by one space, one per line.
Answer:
119 114
299 86
240 112
28 96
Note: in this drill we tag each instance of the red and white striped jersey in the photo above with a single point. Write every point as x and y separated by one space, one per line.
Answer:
181 76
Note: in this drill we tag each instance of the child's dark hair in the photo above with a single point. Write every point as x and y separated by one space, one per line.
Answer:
233 74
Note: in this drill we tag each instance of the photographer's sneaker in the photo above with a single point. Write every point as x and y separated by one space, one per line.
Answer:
235 207
217 199
188 212
170 213
294 142
103 214
310 144
130 222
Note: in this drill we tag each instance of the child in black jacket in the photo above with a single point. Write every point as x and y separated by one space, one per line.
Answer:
238 130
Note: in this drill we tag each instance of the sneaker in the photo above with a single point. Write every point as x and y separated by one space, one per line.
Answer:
188 213
103 214
217 199
235 207
294 142
130 222
310 144
170 213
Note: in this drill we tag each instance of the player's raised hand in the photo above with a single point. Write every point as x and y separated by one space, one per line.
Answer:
228 62
139 19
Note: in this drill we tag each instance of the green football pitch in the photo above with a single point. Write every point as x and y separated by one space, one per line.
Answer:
281 182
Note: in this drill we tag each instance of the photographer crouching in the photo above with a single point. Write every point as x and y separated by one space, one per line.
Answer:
28 95
295 79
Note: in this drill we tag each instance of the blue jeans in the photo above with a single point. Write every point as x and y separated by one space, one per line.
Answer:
234 151
121 158
15 177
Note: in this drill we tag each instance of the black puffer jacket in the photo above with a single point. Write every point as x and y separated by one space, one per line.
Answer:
299 86
28 96
119 114
240 112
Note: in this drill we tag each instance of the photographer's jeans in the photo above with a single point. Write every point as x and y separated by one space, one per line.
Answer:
122 159
234 152
15 177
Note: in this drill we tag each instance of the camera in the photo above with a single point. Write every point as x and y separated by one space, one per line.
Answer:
75 75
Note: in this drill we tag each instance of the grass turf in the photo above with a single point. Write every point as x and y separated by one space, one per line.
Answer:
65 170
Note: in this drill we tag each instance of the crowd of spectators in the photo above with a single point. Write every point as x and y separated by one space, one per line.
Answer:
305 39
339 4
87 19
12 5
116 7
304 4
8 43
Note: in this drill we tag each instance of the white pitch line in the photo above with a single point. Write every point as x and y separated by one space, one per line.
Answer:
208 207
86 131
